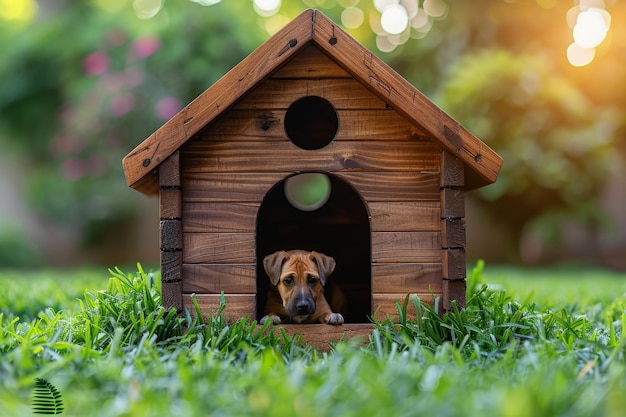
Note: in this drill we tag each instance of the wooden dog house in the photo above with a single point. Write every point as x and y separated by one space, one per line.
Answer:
387 168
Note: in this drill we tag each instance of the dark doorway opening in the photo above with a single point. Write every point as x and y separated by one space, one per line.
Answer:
339 228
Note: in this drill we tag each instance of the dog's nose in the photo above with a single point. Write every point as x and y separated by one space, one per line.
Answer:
303 307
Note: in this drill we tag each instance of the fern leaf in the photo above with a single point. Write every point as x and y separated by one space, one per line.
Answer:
46 398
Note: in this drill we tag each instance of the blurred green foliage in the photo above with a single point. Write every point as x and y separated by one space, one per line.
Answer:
85 81
558 147
82 86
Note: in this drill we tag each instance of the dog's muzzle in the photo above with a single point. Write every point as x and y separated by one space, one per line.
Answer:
302 306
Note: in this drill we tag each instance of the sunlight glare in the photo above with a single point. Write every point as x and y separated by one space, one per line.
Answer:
352 17
146 9
18 10
267 8
591 27
435 8
579 56
394 19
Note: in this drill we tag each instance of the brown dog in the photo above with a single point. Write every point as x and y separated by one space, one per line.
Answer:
297 294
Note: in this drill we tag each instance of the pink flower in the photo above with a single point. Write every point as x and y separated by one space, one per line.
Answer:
121 104
146 46
167 107
96 63
73 169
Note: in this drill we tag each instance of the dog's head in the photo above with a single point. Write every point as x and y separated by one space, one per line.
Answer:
299 277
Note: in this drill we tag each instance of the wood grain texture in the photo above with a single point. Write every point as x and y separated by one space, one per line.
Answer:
268 125
384 305
375 76
171 235
220 217
221 96
169 171
387 84
406 277
343 93
220 248
452 171
453 262
255 156
453 233
322 336
171 296
311 62
225 217
237 305
452 203
404 216
406 247
171 262
244 305
213 279
453 291
387 247
251 187
170 203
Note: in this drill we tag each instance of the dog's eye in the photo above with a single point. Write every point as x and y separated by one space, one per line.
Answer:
312 280
288 280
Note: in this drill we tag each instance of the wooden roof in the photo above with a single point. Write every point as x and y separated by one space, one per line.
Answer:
311 26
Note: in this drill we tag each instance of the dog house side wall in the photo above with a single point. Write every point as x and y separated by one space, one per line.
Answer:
226 172
452 184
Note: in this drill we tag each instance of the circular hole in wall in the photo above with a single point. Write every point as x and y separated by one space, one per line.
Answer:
309 191
311 122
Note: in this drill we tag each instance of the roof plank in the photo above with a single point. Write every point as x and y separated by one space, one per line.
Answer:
403 97
221 96
311 26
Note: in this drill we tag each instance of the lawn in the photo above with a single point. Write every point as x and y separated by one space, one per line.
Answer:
530 343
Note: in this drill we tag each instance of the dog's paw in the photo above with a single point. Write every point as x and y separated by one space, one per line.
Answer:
334 318
275 319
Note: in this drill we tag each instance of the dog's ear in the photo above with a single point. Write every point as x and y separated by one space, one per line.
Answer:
273 265
325 265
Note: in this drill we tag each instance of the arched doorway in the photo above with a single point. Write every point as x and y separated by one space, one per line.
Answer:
338 225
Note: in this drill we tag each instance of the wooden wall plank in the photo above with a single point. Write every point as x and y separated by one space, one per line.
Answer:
171 262
384 304
220 248
237 305
256 156
452 170
268 124
343 93
322 336
222 217
453 262
170 203
171 235
171 296
453 233
453 291
213 279
406 277
251 187
404 216
311 63
169 171
394 186
244 305
213 217
452 203
419 247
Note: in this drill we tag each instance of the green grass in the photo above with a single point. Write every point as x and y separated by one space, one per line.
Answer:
114 351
